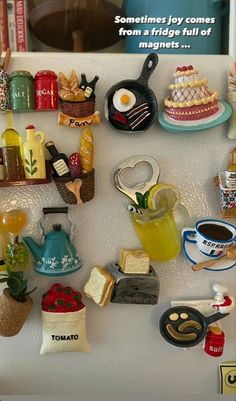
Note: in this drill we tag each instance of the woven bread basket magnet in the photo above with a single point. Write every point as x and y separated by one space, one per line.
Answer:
86 190
12 314
78 109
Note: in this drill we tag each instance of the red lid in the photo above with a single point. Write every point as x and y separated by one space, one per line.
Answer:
30 127
46 74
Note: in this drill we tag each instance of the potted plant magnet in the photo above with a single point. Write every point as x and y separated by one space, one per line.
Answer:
15 303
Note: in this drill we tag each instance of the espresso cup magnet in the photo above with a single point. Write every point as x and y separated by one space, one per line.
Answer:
212 237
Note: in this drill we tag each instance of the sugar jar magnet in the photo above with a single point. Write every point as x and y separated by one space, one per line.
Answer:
46 90
131 105
4 81
21 91
57 255
77 101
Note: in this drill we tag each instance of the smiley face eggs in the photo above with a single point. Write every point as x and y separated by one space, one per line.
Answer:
123 100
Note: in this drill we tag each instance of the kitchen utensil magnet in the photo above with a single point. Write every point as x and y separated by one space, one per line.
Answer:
186 327
131 105
142 187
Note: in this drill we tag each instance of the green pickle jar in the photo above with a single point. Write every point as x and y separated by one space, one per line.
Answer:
21 91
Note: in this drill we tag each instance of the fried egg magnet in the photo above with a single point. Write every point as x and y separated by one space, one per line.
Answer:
124 100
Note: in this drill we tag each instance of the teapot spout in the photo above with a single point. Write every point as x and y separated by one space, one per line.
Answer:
35 249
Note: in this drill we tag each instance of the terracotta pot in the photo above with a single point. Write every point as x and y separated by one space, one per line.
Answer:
12 314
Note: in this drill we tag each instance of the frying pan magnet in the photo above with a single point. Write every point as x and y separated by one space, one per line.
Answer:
171 329
143 112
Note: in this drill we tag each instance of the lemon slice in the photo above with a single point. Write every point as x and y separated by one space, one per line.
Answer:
163 194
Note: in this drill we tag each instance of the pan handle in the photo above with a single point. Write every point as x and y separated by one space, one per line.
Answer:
214 317
148 67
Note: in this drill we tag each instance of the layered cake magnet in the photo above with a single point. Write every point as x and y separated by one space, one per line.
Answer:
190 99
191 105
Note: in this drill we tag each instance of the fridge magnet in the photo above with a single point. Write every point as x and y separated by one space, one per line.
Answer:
45 91
231 97
131 105
183 326
221 301
210 245
136 288
4 80
100 285
74 177
156 211
16 254
21 91
136 281
214 341
77 101
191 106
15 303
33 154
226 181
57 255
227 373
63 321
23 164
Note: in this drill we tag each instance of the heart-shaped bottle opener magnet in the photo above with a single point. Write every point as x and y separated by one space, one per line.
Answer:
141 187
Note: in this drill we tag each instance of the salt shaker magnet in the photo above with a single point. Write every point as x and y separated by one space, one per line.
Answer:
21 91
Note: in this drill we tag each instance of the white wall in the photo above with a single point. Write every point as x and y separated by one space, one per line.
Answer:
129 358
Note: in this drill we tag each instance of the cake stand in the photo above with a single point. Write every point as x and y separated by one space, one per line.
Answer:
173 126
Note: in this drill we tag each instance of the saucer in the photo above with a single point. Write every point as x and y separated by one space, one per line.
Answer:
193 254
224 113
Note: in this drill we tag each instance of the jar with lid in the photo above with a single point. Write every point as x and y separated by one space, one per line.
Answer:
46 90
214 342
21 90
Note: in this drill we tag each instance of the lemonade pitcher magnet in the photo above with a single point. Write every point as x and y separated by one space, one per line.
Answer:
33 154
156 212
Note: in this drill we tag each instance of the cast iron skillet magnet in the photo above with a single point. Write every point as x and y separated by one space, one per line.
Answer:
186 327
130 105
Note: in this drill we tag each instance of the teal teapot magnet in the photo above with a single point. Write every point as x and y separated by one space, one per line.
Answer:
57 255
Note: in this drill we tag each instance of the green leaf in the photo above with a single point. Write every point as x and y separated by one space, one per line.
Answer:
34 170
145 199
28 170
27 162
33 162
139 198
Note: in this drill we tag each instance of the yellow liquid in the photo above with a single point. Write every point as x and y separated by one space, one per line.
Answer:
14 221
159 236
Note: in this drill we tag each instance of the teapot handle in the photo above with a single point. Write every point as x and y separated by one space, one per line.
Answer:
48 210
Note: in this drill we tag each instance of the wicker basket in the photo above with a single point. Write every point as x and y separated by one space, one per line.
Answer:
78 109
12 314
86 192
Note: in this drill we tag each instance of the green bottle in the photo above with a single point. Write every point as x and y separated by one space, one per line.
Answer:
11 151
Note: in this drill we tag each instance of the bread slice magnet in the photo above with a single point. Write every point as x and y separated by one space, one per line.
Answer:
99 286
